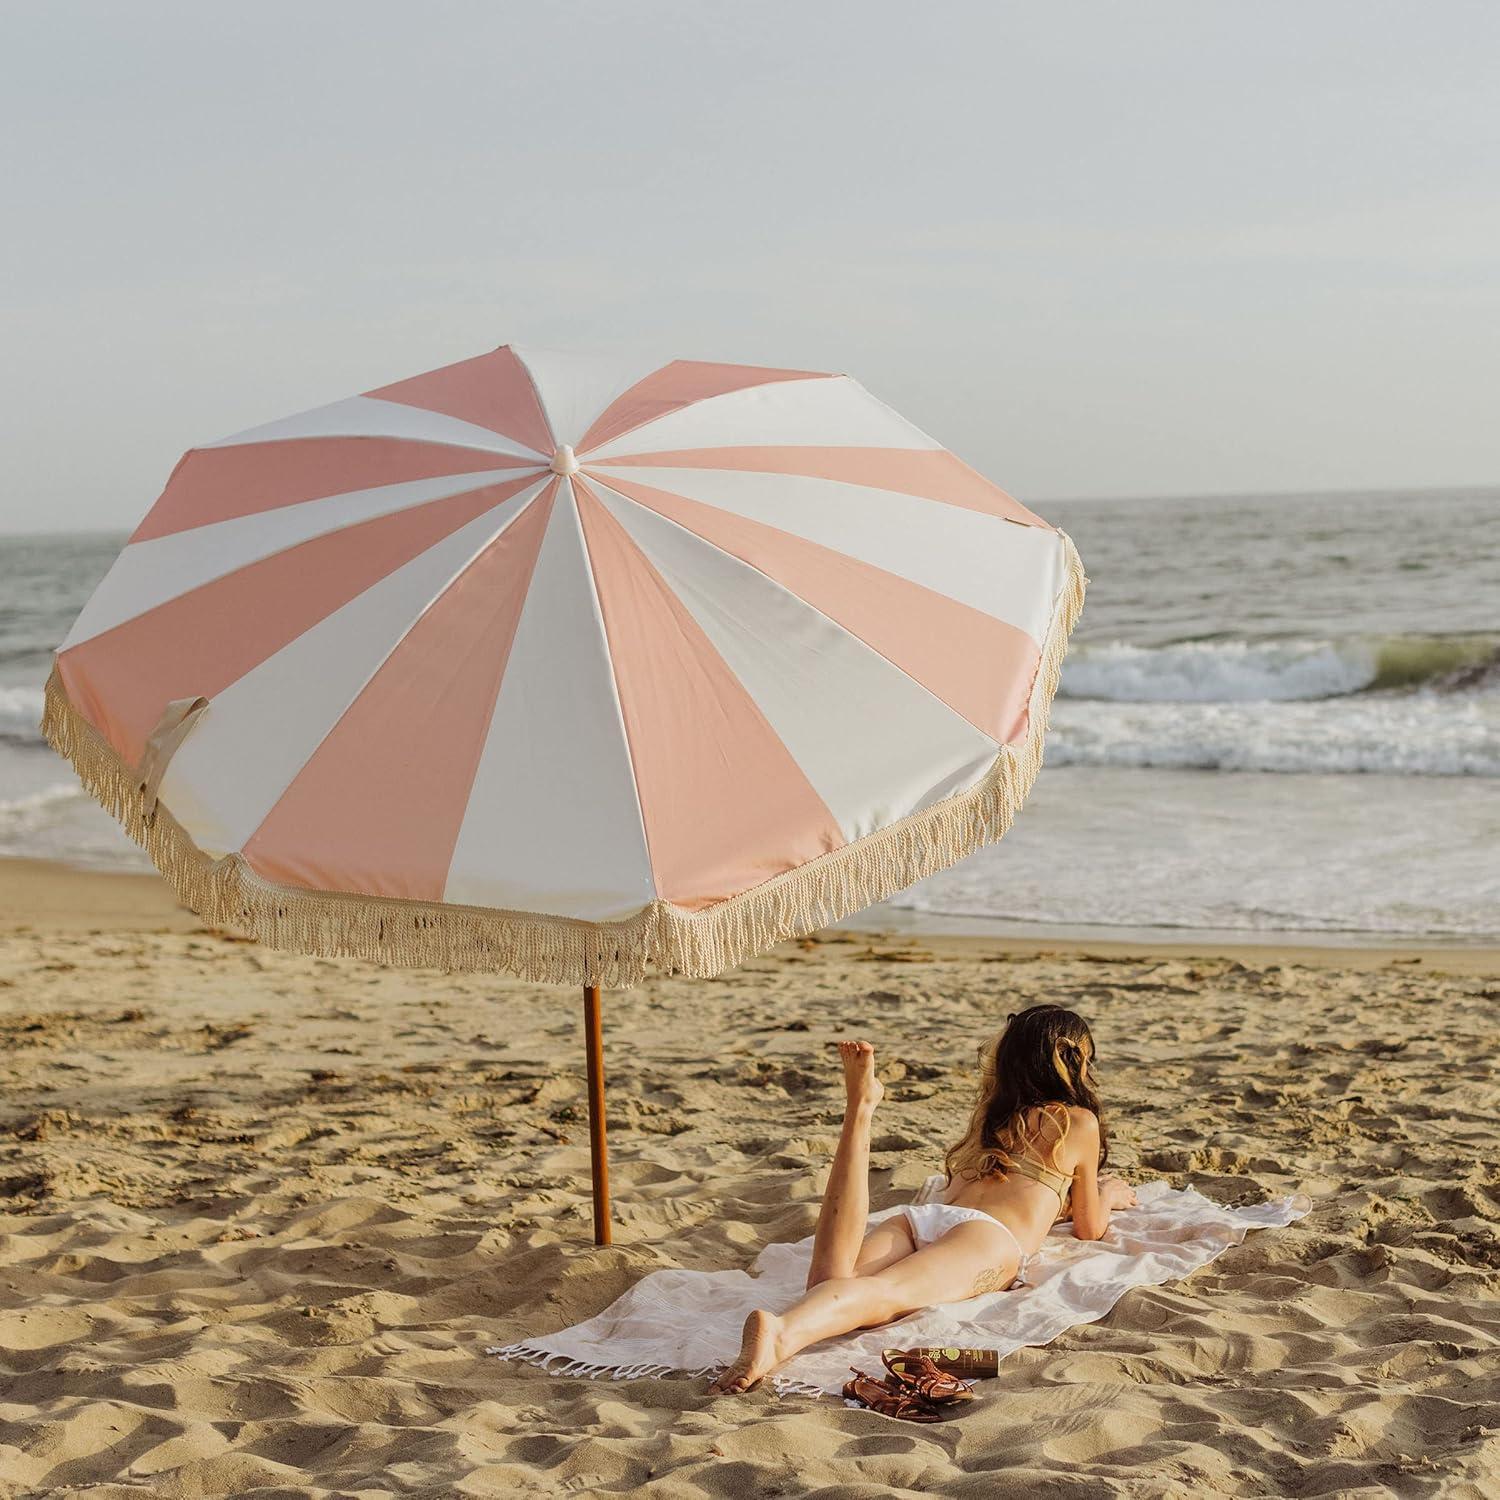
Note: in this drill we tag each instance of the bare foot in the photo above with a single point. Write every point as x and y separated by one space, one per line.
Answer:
864 1088
757 1356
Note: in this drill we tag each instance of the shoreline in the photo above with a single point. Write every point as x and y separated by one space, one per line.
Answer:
39 895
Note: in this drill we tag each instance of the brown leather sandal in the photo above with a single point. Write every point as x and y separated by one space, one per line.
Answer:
918 1374
903 1404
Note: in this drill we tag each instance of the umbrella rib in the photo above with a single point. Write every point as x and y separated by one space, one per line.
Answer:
495 477
355 430
614 677
615 437
396 645
817 609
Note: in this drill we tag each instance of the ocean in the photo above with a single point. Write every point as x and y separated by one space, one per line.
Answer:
1280 715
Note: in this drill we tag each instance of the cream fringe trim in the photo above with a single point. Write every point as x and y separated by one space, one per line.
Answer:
660 939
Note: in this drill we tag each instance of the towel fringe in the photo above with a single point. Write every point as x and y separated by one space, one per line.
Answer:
659 939
785 1385
545 1359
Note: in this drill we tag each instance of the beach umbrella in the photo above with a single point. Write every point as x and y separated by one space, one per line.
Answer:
568 668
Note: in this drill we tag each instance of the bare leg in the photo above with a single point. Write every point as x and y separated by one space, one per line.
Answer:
841 1218
969 1259
846 1200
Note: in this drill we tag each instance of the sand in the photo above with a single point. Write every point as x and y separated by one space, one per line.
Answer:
260 1214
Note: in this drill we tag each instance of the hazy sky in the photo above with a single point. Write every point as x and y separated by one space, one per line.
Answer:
1096 249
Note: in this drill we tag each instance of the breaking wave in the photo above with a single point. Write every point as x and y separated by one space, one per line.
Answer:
1279 671
1408 705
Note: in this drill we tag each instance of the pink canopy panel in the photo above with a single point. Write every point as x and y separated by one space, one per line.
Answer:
567 667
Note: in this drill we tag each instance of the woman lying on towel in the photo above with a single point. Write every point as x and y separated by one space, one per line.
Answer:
1032 1155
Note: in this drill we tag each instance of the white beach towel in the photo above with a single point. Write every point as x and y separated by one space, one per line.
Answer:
689 1322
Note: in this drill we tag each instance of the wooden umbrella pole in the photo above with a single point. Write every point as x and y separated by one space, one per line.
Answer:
593 1041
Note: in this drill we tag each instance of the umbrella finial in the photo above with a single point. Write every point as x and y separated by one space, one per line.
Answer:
563 461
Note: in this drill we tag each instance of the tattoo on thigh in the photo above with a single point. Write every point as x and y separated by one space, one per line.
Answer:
995 1280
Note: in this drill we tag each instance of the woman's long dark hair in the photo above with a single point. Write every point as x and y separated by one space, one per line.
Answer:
1035 1068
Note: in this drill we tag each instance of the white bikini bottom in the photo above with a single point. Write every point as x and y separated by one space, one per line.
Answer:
930 1221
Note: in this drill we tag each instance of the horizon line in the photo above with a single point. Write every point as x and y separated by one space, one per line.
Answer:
1174 499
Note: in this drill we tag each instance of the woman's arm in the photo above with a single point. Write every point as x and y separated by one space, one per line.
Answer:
1094 1198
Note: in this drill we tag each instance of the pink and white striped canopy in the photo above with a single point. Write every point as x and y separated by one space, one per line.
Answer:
563 636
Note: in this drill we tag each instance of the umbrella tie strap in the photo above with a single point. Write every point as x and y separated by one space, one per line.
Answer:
176 722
